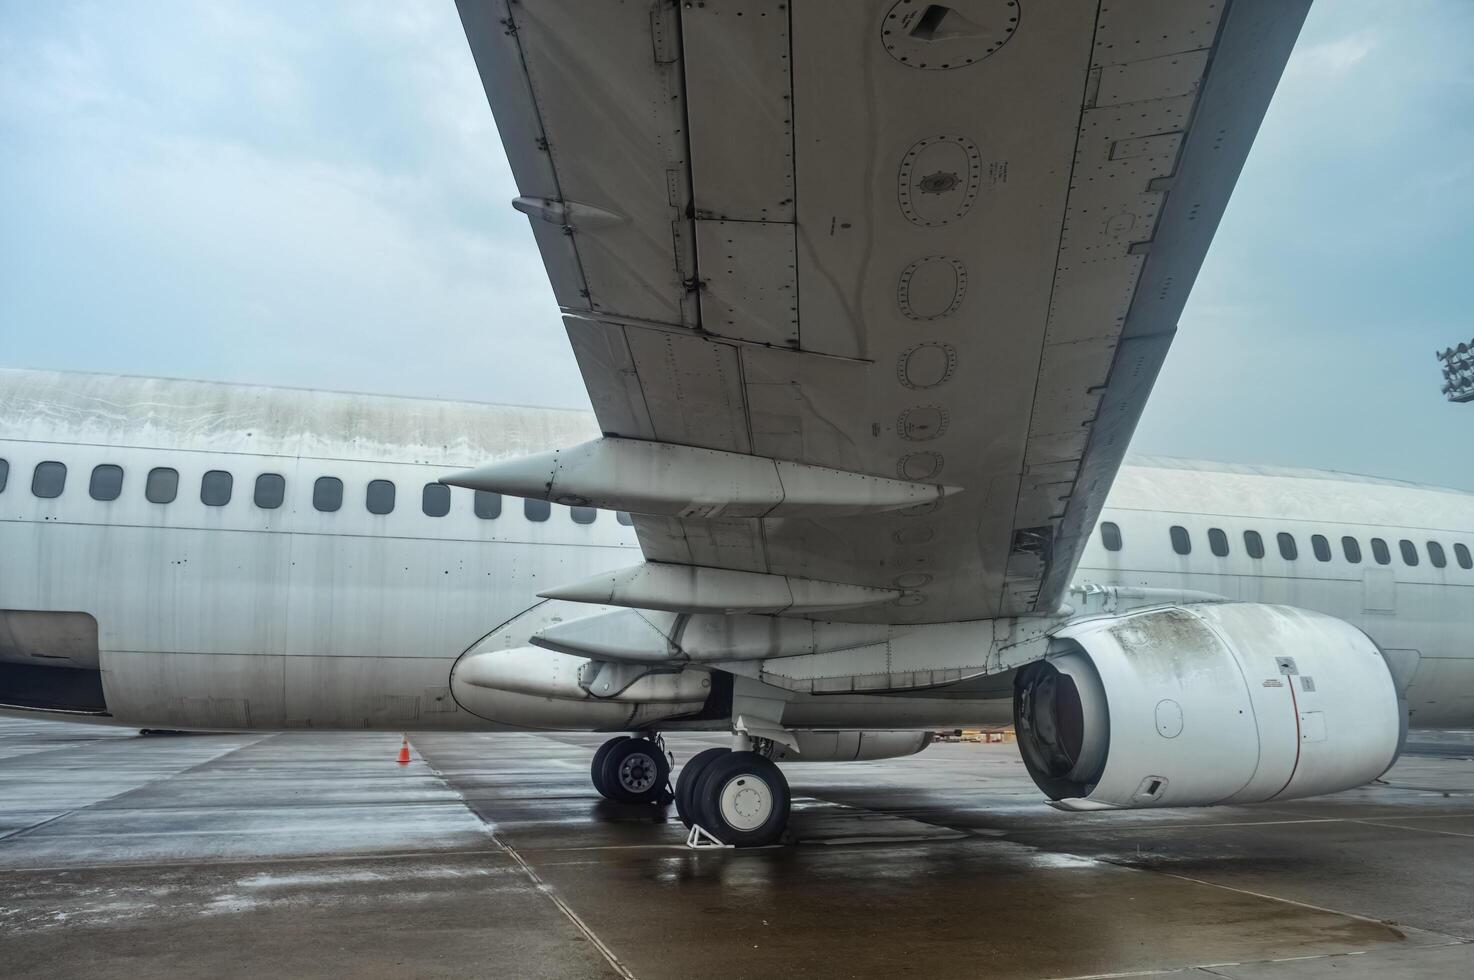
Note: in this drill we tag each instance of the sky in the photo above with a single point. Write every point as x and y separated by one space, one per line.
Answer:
314 194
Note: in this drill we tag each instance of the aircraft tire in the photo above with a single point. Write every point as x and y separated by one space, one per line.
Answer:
742 799
686 781
635 771
596 768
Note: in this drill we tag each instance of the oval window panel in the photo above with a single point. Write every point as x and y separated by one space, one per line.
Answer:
922 423
939 180
919 466
926 365
932 287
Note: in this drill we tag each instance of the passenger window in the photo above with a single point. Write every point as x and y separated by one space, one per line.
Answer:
1253 544
1409 552
1110 536
1288 549
107 482
327 494
49 479
1181 543
536 510
619 515
1218 542
1380 552
162 485
1321 547
215 488
1352 548
487 505
1462 556
4 474
1436 555
271 490
379 498
583 515
435 500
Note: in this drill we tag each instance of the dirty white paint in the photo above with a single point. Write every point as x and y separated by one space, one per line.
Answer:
242 617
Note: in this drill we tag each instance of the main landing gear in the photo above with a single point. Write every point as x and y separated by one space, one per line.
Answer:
632 770
737 797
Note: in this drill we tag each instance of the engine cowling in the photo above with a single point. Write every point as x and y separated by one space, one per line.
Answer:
1205 704
818 746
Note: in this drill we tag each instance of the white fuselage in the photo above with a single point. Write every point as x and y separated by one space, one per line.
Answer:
237 615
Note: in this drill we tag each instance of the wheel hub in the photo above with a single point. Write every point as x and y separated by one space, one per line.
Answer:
746 802
637 773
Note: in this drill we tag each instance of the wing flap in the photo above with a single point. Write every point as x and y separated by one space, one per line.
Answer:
608 117
749 286
740 97
608 367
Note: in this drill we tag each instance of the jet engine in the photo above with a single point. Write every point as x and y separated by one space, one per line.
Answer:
1204 704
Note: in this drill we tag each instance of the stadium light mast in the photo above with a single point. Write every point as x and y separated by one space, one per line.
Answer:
1458 372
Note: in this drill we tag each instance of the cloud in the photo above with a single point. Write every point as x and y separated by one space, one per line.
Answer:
289 194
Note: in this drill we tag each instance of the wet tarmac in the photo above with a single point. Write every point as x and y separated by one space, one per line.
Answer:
490 855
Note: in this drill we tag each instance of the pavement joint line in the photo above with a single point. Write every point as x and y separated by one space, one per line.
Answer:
1421 830
6 838
28 752
1215 968
1142 828
608 847
149 834
546 889
1453 940
347 804
563 907
917 815
1461 815
1370 919
216 861
812 842
1441 790
40 823
1165 972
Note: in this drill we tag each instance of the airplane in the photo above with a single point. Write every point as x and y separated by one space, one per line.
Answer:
868 298
194 555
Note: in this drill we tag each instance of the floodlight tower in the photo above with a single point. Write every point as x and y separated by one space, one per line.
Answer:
1458 372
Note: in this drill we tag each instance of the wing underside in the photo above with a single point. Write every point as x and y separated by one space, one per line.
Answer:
936 243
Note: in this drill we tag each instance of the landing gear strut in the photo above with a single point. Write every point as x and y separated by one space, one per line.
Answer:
740 798
632 770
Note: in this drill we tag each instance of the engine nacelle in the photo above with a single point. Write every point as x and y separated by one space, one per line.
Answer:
848 746
1204 704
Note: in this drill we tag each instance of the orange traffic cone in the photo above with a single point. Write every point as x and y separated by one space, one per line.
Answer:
404 751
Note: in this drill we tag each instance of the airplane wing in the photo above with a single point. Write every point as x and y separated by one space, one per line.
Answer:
933 245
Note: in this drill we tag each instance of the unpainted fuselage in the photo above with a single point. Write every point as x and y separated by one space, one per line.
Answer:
236 615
